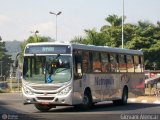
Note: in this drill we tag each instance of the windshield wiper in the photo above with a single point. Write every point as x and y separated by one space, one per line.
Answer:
58 55
60 70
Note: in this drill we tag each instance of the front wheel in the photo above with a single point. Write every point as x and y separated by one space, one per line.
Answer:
43 108
87 100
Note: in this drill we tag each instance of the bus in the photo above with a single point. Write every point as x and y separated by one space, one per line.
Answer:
59 74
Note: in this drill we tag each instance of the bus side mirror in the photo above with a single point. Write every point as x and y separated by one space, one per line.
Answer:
77 76
16 62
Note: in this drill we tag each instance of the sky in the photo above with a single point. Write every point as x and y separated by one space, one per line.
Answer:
20 18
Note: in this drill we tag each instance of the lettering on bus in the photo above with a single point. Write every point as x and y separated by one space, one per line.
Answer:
47 49
104 81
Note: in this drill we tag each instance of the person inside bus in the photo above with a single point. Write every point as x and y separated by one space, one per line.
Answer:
96 66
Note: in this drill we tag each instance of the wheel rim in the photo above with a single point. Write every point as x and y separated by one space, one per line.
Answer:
125 97
85 100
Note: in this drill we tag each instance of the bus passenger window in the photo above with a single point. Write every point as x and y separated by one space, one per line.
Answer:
130 65
137 64
77 64
142 63
113 63
105 62
85 62
96 62
122 63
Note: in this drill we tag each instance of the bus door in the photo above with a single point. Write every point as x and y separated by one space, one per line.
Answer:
77 77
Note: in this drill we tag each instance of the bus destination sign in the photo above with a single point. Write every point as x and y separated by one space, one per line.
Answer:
45 49
48 49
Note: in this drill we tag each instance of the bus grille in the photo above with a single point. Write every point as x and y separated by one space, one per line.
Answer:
45 87
45 98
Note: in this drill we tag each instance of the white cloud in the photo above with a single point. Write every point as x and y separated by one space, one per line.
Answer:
4 19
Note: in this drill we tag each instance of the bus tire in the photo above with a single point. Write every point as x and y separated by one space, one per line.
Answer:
124 99
116 102
43 108
87 100
124 96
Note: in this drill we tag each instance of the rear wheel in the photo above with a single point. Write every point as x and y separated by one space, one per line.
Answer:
124 99
43 108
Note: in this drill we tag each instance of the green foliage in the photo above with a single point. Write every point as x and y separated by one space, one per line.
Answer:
13 47
143 35
5 60
33 39
92 38
114 20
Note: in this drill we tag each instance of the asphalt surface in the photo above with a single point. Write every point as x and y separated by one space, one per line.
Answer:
11 107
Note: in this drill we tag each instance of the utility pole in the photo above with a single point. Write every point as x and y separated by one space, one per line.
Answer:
56 14
122 23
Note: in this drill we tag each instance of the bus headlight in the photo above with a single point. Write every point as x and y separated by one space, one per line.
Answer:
27 91
65 91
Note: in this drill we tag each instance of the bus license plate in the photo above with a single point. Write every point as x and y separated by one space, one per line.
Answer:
45 103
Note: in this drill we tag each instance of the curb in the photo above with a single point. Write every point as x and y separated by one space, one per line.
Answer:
136 100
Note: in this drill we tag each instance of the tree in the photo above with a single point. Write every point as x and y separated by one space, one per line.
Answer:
113 32
92 37
78 39
114 20
143 36
5 60
34 39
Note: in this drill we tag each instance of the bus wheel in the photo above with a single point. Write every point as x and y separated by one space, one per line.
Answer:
124 99
87 100
124 96
43 108
116 102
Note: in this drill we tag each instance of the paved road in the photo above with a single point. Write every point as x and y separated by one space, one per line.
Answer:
11 107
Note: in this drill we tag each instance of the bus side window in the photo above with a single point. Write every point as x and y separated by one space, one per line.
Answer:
130 65
117 59
122 63
114 63
137 63
105 62
96 65
85 62
25 67
142 63
77 64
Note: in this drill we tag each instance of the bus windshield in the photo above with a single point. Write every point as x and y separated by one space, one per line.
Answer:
47 69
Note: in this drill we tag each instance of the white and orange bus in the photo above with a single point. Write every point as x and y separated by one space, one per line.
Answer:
57 74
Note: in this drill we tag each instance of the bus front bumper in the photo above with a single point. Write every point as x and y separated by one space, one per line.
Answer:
47 99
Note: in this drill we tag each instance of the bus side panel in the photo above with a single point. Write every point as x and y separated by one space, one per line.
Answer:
79 86
136 85
108 86
77 92
103 87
